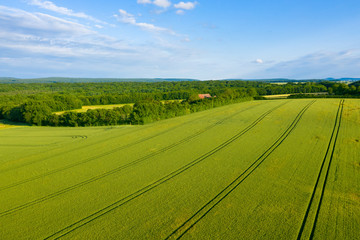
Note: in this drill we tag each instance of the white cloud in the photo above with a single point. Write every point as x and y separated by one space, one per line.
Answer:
36 44
144 1
27 33
162 3
180 12
186 5
19 20
48 5
52 7
128 18
315 65
151 27
259 61
159 3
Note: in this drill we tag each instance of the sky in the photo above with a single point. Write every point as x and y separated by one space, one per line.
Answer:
212 39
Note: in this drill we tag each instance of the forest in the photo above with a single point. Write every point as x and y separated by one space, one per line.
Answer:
35 103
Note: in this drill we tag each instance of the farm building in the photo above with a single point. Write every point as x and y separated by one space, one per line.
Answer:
206 95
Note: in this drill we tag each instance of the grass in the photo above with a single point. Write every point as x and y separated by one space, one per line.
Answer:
283 96
110 106
276 96
85 108
4 124
246 171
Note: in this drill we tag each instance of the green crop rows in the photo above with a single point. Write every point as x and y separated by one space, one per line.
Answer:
280 169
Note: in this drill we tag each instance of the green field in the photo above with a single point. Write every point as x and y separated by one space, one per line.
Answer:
85 108
281 169
9 124
110 106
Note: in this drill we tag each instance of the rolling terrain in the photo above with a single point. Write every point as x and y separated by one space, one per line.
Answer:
88 80
280 169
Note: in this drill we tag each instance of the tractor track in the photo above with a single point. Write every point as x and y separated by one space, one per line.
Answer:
90 145
79 148
96 143
166 178
118 169
307 228
111 152
206 208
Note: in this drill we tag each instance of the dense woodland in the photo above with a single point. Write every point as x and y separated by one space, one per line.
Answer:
35 103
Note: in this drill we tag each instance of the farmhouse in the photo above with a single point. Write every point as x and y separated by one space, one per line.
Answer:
206 95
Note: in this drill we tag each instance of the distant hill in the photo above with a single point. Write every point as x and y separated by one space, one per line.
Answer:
7 79
277 80
343 79
84 80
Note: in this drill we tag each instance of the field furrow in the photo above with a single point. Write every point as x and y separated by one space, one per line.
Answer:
122 148
157 183
196 217
38 159
271 202
339 216
311 215
116 170
252 170
102 136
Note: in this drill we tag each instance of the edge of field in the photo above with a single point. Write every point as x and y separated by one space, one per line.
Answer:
4 124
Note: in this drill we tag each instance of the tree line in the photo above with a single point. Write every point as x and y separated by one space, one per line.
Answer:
144 111
35 103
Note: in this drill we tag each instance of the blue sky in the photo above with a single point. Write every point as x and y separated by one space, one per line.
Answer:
212 39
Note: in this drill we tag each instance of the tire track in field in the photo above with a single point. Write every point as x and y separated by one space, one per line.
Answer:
308 224
110 138
83 147
86 146
81 162
82 222
109 152
206 208
72 150
118 169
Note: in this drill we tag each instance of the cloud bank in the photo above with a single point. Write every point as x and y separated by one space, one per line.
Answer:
186 5
48 5
40 45
159 3
315 65
128 18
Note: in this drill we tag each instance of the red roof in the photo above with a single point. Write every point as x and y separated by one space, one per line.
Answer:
206 95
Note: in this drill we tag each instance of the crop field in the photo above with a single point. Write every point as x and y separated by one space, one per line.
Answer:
8 124
276 169
85 108
110 106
